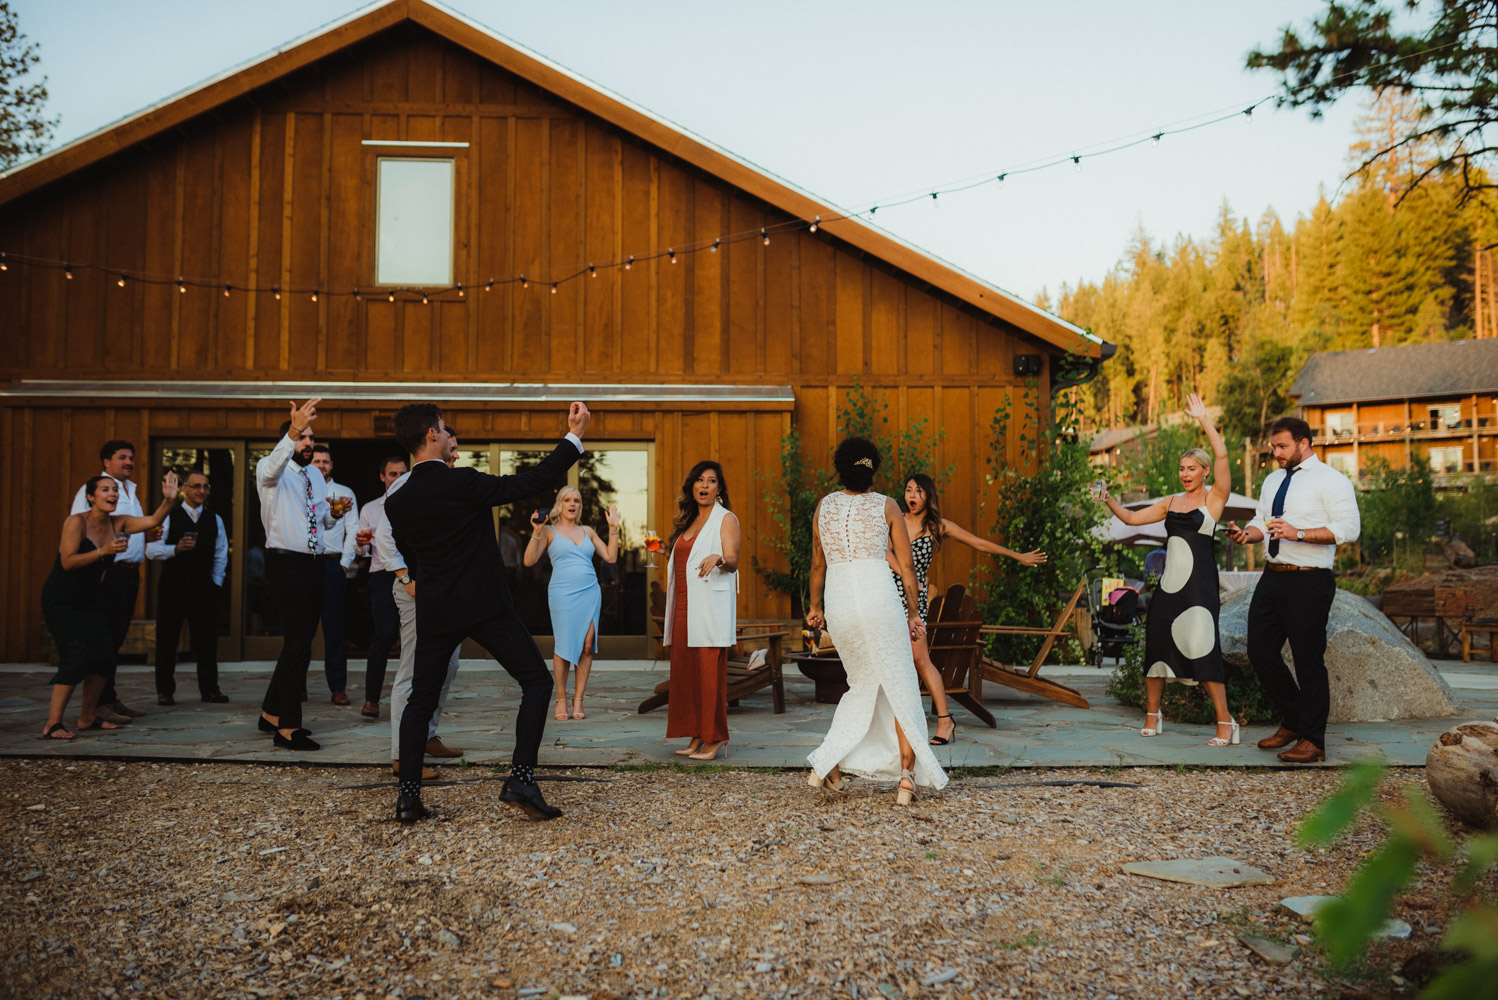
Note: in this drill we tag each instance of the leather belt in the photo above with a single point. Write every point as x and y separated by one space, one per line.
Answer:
1292 568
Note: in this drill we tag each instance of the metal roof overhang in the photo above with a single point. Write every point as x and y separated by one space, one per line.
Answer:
778 397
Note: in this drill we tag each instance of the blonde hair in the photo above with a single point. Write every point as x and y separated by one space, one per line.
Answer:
1199 456
556 508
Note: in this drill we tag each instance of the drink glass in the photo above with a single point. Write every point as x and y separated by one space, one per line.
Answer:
1098 489
653 545
122 536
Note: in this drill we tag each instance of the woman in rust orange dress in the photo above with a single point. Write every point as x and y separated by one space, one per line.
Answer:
701 611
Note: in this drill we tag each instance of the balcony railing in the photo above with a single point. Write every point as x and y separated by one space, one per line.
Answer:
1394 430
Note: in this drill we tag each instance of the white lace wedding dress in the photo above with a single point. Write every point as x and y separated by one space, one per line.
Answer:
866 621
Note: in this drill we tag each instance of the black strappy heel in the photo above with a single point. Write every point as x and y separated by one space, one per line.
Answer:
941 741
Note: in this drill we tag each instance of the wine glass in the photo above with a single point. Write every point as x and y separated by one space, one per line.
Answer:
653 545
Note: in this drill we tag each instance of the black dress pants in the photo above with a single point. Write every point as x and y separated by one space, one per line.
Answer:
295 581
1293 606
196 603
121 587
387 628
504 635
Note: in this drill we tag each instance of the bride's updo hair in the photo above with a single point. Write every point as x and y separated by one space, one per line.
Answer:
856 460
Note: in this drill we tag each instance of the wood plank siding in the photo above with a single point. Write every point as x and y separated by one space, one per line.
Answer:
275 188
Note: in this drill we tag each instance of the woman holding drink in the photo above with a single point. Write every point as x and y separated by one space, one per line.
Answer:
575 597
73 599
1181 640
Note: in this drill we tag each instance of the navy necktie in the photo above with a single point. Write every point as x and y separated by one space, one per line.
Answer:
1277 509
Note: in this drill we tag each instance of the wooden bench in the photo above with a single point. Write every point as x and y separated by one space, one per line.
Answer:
1488 627
1030 680
742 678
956 646
140 639
1443 605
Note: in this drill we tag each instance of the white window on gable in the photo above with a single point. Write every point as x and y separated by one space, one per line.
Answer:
414 221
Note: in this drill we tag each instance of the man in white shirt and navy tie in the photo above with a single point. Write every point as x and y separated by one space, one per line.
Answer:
294 510
1306 509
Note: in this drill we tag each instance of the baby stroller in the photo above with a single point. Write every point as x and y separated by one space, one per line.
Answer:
1115 604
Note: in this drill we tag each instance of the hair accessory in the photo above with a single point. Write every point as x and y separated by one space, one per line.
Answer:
865 461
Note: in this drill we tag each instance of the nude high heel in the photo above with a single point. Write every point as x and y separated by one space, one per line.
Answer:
1157 728
904 796
826 784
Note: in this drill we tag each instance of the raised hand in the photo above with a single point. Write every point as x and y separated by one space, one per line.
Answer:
577 418
169 486
1195 407
302 416
538 518
612 516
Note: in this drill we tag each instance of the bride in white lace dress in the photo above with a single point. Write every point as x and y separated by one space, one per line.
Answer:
852 531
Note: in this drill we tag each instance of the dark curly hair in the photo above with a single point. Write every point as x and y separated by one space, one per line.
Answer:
856 460
931 516
686 502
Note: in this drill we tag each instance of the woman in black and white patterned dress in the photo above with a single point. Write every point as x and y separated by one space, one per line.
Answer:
928 529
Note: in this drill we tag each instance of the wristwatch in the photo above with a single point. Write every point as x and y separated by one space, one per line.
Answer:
404 581
1300 535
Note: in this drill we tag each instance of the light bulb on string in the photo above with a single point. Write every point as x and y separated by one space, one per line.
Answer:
765 236
629 263
672 254
1248 114
4 265
120 281
592 271
461 293
714 247
314 295
489 288
67 271
814 223
1078 161
1000 179
357 296
391 297
1155 139
934 202
524 283
424 299
226 291
276 292
553 288
181 286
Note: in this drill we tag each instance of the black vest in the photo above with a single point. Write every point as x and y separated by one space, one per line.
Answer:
194 567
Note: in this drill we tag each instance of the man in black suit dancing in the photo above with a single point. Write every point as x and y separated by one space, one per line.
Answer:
441 523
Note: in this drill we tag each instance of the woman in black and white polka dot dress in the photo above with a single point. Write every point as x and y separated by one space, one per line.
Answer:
928 529
1181 640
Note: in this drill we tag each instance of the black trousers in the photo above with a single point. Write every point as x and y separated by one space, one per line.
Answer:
295 581
196 603
121 587
1293 606
505 637
387 628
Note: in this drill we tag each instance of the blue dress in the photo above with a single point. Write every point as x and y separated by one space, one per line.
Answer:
575 597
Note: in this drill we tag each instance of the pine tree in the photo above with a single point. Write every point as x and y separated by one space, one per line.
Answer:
24 131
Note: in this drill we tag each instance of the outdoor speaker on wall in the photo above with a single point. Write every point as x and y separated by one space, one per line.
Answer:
1027 364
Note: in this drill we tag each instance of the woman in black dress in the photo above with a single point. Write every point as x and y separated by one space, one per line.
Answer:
927 530
1181 642
73 600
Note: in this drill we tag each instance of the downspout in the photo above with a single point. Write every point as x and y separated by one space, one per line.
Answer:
1088 371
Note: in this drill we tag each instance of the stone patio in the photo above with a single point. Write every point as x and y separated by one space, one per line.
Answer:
1031 733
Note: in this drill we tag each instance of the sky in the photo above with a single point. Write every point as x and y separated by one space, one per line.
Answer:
855 102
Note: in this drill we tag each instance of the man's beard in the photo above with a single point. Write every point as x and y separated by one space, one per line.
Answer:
301 458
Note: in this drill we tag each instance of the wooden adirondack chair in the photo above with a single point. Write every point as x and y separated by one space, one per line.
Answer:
742 678
1030 680
955 645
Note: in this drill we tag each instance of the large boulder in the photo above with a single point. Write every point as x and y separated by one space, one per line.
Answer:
1376 673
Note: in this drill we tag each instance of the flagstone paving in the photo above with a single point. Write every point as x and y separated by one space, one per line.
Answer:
480 719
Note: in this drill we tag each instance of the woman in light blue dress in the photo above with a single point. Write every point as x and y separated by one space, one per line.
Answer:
574 595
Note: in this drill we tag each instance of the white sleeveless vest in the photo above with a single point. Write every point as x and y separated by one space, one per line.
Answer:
712 601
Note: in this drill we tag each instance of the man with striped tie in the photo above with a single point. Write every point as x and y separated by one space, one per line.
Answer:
1306 509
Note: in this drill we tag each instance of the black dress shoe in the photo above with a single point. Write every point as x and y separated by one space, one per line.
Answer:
216 697
408 809
528 799
165 699
299 741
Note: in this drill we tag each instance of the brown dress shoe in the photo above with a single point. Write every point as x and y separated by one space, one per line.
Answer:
436 748
1304 752
124 709
427 774
110 715
1281 738
340 698
371 710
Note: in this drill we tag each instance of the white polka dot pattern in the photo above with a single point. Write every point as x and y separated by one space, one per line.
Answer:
1178 565
1194 632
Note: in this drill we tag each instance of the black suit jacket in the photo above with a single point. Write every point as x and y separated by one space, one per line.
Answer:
441 523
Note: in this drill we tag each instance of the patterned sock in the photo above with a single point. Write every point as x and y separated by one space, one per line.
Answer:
523 773
410 788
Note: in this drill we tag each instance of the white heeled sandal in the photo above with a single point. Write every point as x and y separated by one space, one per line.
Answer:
904 796
1157 728
1232 740
817 781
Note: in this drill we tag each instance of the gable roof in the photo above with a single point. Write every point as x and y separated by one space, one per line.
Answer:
1413 371
511 56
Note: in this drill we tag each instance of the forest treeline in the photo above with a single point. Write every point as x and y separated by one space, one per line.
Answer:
1235 316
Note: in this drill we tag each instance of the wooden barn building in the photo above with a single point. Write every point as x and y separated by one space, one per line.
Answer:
412 154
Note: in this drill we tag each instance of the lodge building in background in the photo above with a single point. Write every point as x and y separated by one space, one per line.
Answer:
407 151
1434 402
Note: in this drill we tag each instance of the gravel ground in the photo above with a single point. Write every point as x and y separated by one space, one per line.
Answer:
216 880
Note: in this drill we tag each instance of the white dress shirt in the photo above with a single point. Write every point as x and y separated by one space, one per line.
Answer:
129 504
371 516
1319 497
282 485
339 538
161 550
